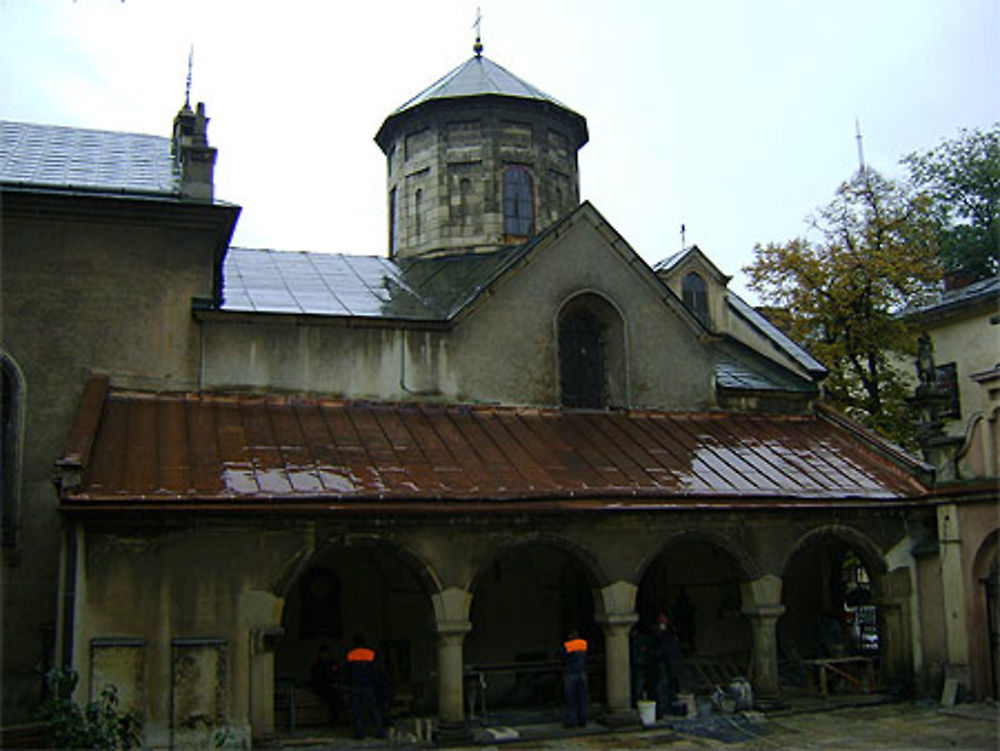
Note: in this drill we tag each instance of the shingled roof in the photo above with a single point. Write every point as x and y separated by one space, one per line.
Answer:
134 449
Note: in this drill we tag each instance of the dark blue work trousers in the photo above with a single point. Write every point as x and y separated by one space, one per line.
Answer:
575 688
363 703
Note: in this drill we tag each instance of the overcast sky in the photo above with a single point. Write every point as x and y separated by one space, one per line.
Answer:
736 119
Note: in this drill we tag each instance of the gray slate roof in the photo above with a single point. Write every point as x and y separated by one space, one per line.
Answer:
62 158
478 76
984 290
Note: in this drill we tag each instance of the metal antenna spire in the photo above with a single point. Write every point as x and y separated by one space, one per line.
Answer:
187 89
682 236
478 46
861 151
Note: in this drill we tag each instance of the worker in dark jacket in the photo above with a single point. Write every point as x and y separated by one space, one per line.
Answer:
574 659
362 681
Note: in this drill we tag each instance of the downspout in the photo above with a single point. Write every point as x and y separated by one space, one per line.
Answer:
69 597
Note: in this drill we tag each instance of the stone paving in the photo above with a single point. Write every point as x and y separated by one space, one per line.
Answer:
902 725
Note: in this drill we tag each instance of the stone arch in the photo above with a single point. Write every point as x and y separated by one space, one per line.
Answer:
749 567
872 555
834 583
527 594
696 578
985 625
12 402
592 351
293 568
363 584
596 575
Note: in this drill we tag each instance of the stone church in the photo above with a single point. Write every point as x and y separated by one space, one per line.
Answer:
217 460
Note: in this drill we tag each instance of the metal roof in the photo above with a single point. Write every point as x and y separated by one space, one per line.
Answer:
177 450
480 77
475 77
339 284
58 157
772 332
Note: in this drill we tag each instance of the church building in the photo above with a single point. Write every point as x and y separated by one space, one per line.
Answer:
217 460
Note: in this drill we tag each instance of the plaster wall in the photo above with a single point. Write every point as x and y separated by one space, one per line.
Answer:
972 344
327 357
80 296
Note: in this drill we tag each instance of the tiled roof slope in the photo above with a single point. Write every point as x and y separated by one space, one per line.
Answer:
191 450
62 158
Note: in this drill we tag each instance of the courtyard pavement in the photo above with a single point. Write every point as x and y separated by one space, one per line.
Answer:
871 726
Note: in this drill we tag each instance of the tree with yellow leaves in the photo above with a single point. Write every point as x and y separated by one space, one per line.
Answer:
873 251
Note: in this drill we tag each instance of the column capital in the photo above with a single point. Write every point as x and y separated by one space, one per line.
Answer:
619 620
763 611
452 628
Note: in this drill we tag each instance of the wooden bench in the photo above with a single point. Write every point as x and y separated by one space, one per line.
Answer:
858 671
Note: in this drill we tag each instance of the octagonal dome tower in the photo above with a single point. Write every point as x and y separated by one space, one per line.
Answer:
478 160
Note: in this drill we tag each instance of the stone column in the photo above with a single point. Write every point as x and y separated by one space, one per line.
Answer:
762 606
260 616
617 616
953 592
451 612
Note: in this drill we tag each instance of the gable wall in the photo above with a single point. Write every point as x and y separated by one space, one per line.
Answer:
503 350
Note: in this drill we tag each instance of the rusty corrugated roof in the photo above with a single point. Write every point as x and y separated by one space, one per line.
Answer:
179 449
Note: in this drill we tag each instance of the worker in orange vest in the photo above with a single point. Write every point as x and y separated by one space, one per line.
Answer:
574 658
362 681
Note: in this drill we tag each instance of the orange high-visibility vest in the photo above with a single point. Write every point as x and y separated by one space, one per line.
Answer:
360 654
575 645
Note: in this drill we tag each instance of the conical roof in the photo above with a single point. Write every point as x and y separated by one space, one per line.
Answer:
479 77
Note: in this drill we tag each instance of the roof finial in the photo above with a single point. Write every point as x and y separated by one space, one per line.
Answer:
861 151
478 46
187 88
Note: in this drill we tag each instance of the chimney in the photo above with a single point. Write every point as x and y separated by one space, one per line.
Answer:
194 156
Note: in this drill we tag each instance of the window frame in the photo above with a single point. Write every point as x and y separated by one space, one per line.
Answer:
518 188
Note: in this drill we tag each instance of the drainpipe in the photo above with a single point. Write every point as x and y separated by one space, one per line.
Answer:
69 597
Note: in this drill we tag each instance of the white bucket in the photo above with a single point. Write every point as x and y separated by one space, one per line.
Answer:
647 712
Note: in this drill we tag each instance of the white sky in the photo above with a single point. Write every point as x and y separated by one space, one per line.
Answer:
734 118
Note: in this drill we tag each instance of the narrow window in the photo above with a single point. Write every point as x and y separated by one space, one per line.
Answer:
581 360
392 223
417 199
518 202
10 406
695 296
465 200
946 377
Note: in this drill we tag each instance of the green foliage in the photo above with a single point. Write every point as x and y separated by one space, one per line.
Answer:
876 253
962 178
100 725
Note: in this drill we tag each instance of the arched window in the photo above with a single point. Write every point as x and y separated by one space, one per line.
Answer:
518 202
582 360
11 396
695 296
